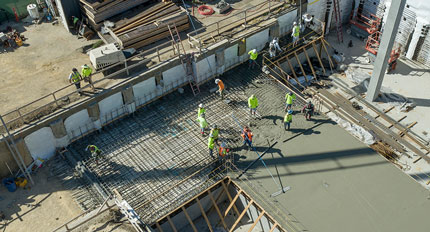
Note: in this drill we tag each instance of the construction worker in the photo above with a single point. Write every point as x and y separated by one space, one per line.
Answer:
214 133
223 150
87 75
295 33
203 124
75 21
75 78
308 110
288 119
220 88
289 98
307 19
95 152
273 47
247 136
211 146
201 112
252 104
253 54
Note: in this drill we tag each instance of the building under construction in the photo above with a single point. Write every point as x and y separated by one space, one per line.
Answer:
349 168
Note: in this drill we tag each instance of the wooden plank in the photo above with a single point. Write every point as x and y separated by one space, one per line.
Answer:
385 111
328 54
204 215
241 215
189 219
229 197
171 224
159 227
300 65
390 126
310 64
318 57
156 38
217 209
232 203
402 133
256 221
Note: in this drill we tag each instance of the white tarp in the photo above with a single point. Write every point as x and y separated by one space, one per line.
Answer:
357 131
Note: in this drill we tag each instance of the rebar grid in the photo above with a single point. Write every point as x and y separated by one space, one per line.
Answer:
157 158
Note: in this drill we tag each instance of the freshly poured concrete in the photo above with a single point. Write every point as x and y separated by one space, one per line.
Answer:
337 182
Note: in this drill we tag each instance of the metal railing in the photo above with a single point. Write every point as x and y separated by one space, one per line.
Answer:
49 103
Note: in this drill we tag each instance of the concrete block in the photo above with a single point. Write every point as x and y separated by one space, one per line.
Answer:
41 143
58 128
23 150
127 95
94 111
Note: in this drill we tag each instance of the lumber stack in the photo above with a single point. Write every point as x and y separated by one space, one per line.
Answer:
150 25
99 10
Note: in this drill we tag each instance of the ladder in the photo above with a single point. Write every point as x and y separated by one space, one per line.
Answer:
338 19
186 59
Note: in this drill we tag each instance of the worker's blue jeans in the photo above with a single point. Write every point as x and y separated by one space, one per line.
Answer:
211 151
287 124
247 142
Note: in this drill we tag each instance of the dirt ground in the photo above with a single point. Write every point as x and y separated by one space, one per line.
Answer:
43 207
41 65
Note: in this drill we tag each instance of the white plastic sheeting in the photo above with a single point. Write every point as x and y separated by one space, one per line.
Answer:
41 143
355 130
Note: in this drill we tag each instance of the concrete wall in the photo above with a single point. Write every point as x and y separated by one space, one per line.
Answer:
257 41
205 68
174 76
286 22
145 90
41 143
230 56
111 107
78 124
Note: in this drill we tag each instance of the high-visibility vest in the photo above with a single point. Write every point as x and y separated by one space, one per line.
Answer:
221 85
211 143
203 123
201 111
309 107
252 102
247 134
223 151
75 77
86 72
288 118
252 55
214 133
296 31
96 149
289 98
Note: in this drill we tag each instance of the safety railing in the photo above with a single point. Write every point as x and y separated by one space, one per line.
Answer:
34 111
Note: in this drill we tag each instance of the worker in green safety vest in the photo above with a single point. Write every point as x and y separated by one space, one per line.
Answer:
288 119
211 146
289 98
252 104
214 133
201 112
95 152
203 124
87 75
295 33
253 54
75 78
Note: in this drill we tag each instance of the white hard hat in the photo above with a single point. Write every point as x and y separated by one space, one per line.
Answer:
85 66
295 23
216 81
254 50
201 105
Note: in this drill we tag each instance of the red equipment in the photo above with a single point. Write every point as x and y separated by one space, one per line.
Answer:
364 23
372 46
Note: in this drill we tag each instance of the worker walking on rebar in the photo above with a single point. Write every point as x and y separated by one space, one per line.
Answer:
308 110
214 133
247 136
252 104
203 124
211 146
76 78
87 75
253 54
295 33
288 119
289 99
221 88
273 47
95 152
202 111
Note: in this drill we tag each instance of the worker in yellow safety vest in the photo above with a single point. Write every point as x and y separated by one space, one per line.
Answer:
295 33
87 75
95 152
252 104
214 133
75 78
211 146
289 98
202 111
203 124
288 119
253 54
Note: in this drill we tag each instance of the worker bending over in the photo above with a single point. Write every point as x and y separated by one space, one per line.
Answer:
203 124
76 78
289 99
295 33
220 87
253 54
288 119
223 150
201 112
87 75
273 47
95 152
252 104
308 110
247 136
214 133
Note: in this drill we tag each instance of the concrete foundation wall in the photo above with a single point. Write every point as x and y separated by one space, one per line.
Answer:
230 56
302 59
205 68
78 124
111 107
286 22
41 143
257 41
174 75
145 90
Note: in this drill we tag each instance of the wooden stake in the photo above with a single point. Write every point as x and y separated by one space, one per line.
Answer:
204 214
256 221
301 67
273 227
229 196
189 218
171 223
318 56
310 64
217 209
241 215
328 55
232 203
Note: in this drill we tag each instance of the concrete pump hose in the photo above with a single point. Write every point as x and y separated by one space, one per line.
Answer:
205 10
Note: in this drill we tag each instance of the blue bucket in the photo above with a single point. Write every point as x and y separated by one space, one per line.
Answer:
9 183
